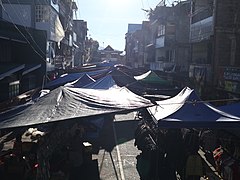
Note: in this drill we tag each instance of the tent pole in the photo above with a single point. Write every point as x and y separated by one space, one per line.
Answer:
157 163
113 165
100 169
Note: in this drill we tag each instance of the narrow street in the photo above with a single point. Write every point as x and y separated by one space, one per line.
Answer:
120 163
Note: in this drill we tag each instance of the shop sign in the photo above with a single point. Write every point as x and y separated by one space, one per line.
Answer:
229 79
201 74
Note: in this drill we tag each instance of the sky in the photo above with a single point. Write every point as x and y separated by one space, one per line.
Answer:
108 20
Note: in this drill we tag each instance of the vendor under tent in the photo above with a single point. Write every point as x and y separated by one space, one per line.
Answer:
187 110
66 103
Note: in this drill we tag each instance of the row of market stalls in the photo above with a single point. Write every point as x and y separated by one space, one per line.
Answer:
47 123
85 102
176 129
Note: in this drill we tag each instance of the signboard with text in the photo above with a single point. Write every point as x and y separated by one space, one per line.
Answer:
229 79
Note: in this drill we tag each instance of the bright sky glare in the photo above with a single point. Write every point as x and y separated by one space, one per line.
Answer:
108 20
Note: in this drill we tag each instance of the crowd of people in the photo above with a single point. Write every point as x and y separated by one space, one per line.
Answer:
168 153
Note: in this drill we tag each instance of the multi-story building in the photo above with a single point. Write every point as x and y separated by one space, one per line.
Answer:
201 41
170 29
132 44
215 47
108 54
65 52
79 41
53 16
53 19
162 43
22 59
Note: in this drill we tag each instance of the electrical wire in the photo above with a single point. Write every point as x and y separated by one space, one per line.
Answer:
22 20
145 11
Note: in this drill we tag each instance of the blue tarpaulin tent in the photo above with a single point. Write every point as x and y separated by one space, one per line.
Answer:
231 109
103 83
66 78
81 82
187 110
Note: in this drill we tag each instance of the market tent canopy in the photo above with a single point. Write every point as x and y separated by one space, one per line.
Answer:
231 109
81 82
152 77
66 103
187 110
125 80
103 83
67 78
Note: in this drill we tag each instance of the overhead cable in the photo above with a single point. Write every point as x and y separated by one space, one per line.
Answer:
15 26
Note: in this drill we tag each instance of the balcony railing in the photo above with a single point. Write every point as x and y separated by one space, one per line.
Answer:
201 30
162 66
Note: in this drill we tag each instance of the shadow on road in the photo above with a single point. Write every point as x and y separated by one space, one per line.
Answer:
125 130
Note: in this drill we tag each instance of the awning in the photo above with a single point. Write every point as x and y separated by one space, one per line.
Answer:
31 67
7 70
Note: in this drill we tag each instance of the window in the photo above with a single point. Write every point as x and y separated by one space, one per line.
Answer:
42 13
170 55
13 89
161 30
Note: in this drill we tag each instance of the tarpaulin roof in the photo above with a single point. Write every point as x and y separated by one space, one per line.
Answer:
125 80
81 82
66 78
66 103
103 83
186 109
233 108
152 77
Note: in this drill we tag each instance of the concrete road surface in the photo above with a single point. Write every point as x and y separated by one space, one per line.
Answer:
119 160
120 163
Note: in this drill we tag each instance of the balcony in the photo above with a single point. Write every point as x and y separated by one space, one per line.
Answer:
201 30
163 66
165 41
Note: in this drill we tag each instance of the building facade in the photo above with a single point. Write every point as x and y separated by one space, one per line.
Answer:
170 27
79 42
38 33
22 59
214 39
108 54
132 44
